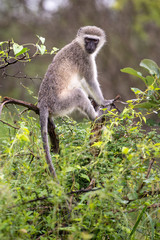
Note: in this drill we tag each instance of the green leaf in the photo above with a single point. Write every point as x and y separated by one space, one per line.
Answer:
137 222
137 91
17 48
54 50
42 39
42 48
97 144
133 72
125 150
24 50
152 225
1 43
149 80
151 66
70 169
146 105
85 177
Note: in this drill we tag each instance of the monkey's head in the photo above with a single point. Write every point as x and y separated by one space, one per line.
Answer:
91 38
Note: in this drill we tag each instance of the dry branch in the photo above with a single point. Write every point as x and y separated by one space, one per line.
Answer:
8 100
51 130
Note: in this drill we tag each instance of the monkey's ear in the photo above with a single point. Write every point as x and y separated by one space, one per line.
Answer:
79 31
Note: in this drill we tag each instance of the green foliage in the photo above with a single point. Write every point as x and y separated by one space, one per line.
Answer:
145 11
11 52
149 99
123 201
33 206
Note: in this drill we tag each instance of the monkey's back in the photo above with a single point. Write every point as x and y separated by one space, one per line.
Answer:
62 75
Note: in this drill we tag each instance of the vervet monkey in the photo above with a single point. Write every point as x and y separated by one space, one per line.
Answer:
70 80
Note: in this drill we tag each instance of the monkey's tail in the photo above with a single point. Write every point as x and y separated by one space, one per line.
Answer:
43 112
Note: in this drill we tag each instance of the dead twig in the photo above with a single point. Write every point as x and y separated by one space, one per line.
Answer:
8 124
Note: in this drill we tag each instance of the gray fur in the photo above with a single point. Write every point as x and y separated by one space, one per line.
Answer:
69 80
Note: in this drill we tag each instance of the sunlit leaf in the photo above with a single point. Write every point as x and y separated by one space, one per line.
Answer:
151 66
42 39
125 150
147 105
97 144
42 48
86 236
24 50
132 72
17 48
1 43
54 50
136 90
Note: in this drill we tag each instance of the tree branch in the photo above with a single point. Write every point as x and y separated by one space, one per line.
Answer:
13 62
8 100
147 175
51 129
84 190
9 124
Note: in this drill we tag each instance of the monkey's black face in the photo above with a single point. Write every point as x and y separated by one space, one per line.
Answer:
91 44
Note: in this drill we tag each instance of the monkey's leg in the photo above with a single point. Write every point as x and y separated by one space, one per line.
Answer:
76 99
53 136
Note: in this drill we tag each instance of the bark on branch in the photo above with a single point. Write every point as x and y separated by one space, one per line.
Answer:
8 100
51 130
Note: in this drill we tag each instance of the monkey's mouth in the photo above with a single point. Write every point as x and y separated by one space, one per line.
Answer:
90 50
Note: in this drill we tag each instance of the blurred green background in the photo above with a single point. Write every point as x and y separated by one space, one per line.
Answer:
132 28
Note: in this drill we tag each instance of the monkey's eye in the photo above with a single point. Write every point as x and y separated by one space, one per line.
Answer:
87 40
96 41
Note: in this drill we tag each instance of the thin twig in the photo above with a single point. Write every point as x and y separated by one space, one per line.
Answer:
21 77
155 205
147 175
9 124
44 235
9 63
84 191
31 201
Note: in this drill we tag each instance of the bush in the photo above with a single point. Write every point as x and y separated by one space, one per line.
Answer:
124 204
113 194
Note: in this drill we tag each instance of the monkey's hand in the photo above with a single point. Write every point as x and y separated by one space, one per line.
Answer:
110 103
107 103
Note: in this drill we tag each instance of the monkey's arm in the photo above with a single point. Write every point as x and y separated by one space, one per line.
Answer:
94 91
92 83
